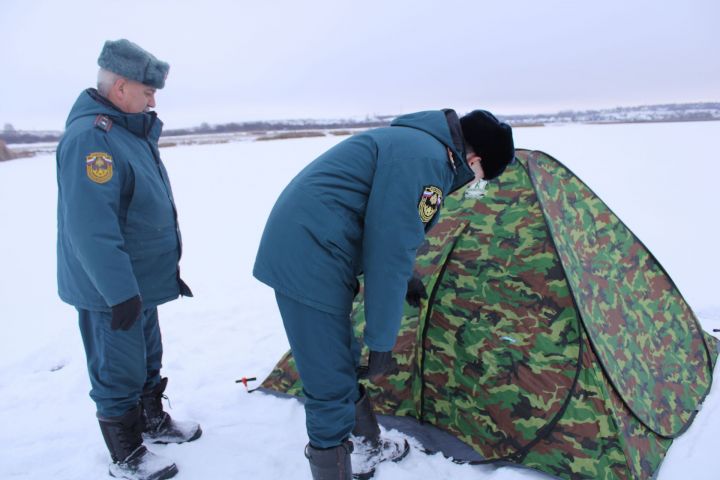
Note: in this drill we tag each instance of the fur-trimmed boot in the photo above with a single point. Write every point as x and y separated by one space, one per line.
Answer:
159 426
330 463
370 448
131 460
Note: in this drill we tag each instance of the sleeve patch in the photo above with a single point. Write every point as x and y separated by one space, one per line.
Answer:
99 167
430 202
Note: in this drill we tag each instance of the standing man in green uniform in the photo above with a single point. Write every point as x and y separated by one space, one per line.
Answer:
119 247
363 207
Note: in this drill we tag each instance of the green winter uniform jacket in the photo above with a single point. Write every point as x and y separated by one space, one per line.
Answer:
117 226
363 207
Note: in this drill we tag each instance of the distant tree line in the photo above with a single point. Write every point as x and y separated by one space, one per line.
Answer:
29 137
701 111
279 126
681 112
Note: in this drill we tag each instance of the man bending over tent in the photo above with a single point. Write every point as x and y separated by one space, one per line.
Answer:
363 207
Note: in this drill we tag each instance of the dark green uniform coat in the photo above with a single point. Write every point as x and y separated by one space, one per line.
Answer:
363 207
117 238
117 230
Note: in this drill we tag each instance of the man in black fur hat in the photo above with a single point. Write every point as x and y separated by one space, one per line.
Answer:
363 207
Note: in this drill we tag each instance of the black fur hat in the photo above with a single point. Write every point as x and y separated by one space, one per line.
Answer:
491 139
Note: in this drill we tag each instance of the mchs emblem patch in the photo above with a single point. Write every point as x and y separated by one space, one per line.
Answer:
429 202
99 166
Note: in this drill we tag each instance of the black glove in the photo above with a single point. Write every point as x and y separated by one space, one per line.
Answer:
379 363
415 291
126 313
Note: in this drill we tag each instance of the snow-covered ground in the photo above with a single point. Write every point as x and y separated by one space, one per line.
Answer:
661 179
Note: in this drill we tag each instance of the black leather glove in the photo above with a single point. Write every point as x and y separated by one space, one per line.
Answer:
415 291
125 314
379 363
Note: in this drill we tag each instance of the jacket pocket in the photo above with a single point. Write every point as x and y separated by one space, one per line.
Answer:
148 244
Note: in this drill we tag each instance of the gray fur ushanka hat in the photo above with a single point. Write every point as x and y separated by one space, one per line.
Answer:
131 61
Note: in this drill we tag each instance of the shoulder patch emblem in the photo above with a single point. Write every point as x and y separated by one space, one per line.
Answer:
99 167
430 202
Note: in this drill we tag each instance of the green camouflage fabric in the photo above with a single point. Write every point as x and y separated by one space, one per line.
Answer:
502 323
551 336
646 336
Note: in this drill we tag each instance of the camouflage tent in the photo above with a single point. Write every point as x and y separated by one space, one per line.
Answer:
551 337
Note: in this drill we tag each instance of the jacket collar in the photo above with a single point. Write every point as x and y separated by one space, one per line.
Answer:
464 174
144 124
455 130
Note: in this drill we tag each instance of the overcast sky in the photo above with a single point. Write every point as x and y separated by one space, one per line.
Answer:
276 59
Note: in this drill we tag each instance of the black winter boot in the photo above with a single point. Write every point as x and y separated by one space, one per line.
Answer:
159 426
131 460
330 463
369 447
